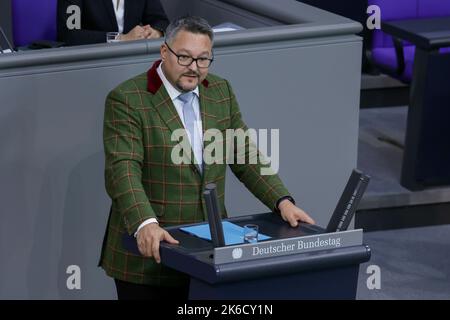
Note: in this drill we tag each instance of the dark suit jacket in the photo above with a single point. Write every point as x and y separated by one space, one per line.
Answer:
98 18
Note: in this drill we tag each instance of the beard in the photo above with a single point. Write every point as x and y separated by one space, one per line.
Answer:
186 86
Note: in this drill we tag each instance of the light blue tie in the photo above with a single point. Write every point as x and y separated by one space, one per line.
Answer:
190 123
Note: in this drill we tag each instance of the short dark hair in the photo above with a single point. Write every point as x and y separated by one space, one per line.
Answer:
192 24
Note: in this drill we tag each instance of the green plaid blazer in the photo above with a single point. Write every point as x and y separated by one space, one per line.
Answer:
142 180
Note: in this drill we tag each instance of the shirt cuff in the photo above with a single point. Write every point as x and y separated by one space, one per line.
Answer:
143 224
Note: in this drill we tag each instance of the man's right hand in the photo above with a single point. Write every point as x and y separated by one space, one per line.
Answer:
148 239
137 33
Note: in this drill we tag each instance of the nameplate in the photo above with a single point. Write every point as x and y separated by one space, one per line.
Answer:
282 247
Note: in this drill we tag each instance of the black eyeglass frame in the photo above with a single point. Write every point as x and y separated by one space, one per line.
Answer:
192 59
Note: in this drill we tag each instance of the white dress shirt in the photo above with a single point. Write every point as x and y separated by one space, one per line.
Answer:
173 94
119 9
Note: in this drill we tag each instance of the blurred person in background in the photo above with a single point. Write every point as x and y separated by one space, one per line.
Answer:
131 19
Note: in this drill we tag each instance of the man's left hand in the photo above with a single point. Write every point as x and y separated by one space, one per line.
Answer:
292 214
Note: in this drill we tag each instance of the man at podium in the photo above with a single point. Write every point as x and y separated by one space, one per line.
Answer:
149 190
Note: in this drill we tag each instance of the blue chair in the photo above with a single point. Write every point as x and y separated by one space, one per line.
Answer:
33 20
396 57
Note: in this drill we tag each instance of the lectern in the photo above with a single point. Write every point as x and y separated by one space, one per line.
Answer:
295 263
306 262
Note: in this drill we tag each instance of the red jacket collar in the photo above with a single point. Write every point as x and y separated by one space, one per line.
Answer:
154 82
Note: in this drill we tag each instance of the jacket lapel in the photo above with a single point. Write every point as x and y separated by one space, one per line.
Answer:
111 14
163 103
209 121
126 16
161 99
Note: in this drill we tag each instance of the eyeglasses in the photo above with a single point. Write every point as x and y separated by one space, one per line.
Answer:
185 61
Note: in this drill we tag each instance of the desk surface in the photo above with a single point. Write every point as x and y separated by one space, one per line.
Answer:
426 33
269 224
